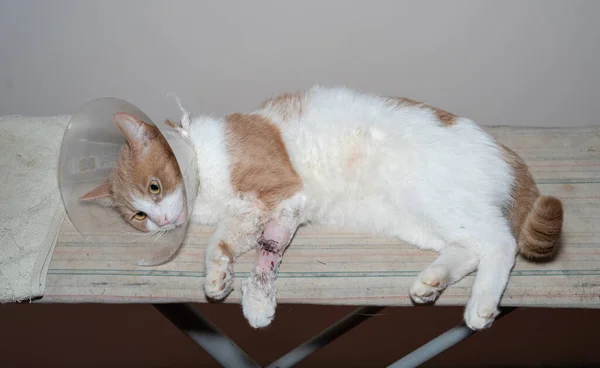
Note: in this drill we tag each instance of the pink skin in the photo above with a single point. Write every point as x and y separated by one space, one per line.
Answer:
162 221
178 222
259 290
273 242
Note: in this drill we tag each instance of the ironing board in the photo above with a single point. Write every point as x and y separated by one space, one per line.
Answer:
329 267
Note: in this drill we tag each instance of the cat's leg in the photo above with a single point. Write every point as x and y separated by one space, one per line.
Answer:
224 246
259 294
453 263
497 256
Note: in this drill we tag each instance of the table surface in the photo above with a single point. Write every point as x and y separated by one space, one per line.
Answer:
326 266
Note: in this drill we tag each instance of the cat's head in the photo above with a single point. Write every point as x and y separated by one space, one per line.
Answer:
146 186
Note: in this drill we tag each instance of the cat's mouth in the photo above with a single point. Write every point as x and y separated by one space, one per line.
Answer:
177 223
171 226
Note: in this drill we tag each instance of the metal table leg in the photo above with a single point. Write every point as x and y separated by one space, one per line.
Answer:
439 344
206 335
325 337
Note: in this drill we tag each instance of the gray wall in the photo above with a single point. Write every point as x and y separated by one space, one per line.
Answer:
499 62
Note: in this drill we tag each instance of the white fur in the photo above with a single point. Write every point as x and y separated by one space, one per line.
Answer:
208 138
390 170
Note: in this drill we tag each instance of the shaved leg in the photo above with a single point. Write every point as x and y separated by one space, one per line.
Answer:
258 290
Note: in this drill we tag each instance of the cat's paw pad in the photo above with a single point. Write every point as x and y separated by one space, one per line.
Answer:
427 286
258 300
480 314
219 281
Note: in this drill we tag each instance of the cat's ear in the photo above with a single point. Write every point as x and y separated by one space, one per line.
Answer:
135 131
100 194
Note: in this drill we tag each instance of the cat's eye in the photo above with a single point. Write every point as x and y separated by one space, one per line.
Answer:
140 216
154 187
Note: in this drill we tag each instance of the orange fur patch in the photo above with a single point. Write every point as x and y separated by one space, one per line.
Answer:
403 101
157 161
445 118
536 221
524 192
259 160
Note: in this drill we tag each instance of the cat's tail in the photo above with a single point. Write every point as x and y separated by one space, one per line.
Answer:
536 220
542 228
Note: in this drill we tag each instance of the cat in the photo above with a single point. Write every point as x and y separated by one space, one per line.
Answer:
355 160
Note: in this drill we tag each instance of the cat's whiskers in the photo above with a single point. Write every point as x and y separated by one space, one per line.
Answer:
130 232
159 235
145 235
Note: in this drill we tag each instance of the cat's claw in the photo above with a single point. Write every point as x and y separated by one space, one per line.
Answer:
427 286
259 300
480 314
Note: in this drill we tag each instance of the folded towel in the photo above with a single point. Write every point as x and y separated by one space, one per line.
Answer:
31 209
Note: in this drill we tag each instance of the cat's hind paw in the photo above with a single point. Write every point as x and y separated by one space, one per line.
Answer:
480 314
428 286
259 300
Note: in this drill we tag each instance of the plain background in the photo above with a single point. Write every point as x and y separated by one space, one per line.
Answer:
513 62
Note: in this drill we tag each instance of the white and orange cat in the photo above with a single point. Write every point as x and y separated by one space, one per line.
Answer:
344 159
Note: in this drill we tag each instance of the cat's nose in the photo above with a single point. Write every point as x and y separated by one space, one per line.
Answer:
163 221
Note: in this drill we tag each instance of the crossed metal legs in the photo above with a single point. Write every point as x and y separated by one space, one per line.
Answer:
228 354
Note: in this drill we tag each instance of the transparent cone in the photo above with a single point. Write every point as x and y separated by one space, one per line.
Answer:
89 152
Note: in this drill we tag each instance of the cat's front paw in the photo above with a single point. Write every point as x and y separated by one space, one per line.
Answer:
219 281
259 299
428 285
480 313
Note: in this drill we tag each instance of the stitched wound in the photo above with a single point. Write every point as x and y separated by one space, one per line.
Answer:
268 245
